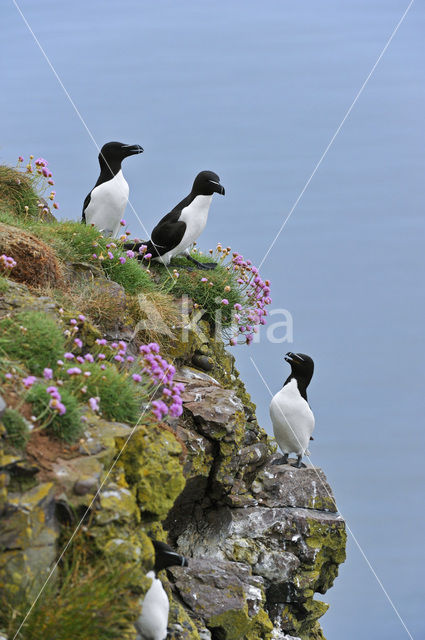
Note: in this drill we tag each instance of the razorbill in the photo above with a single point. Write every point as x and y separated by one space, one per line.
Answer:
178 230
153 620
292 418
105 204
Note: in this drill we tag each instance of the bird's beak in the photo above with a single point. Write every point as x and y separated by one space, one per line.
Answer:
133 149
184 563
293 357
218 188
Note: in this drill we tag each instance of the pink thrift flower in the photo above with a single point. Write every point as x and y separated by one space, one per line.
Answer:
101 356
136 377
73 371
80 359
122 259
148 256
123 223
53 391
89 357
94 404
78 342
81 317
130 254
47 373
28 381
110 255
224 301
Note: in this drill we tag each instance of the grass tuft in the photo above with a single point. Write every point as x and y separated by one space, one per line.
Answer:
208 296
16 427
16 192
120 398
91 601
32 337
67 427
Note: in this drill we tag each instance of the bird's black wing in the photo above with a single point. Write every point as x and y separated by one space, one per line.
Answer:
168 233
85 205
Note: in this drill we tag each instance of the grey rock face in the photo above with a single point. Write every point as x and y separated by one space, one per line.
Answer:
3 406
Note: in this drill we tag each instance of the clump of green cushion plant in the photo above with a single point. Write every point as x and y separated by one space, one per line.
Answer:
16 427
32 338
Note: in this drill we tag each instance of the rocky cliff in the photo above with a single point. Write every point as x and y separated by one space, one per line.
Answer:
262 539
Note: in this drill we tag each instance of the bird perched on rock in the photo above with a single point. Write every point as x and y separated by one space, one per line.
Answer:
153 620
105 204
178 230
292 418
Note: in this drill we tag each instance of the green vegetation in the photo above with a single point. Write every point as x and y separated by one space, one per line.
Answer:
67 427
32 337
16 427
16 193
90 600
120 398
221 284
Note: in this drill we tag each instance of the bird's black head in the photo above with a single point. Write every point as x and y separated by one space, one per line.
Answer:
206 183
113 153
302 366
165 556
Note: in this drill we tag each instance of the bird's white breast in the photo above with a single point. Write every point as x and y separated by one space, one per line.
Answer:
153 620
292 418
195 215
107 205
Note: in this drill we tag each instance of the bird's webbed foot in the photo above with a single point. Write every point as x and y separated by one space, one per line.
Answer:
205 266
298 464
283 460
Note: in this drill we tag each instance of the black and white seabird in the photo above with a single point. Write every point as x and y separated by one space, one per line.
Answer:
153 620
292 418
105 204
181 227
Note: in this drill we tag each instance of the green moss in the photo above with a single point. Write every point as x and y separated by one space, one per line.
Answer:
67 427
237 625
33 338
16 427
152 466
